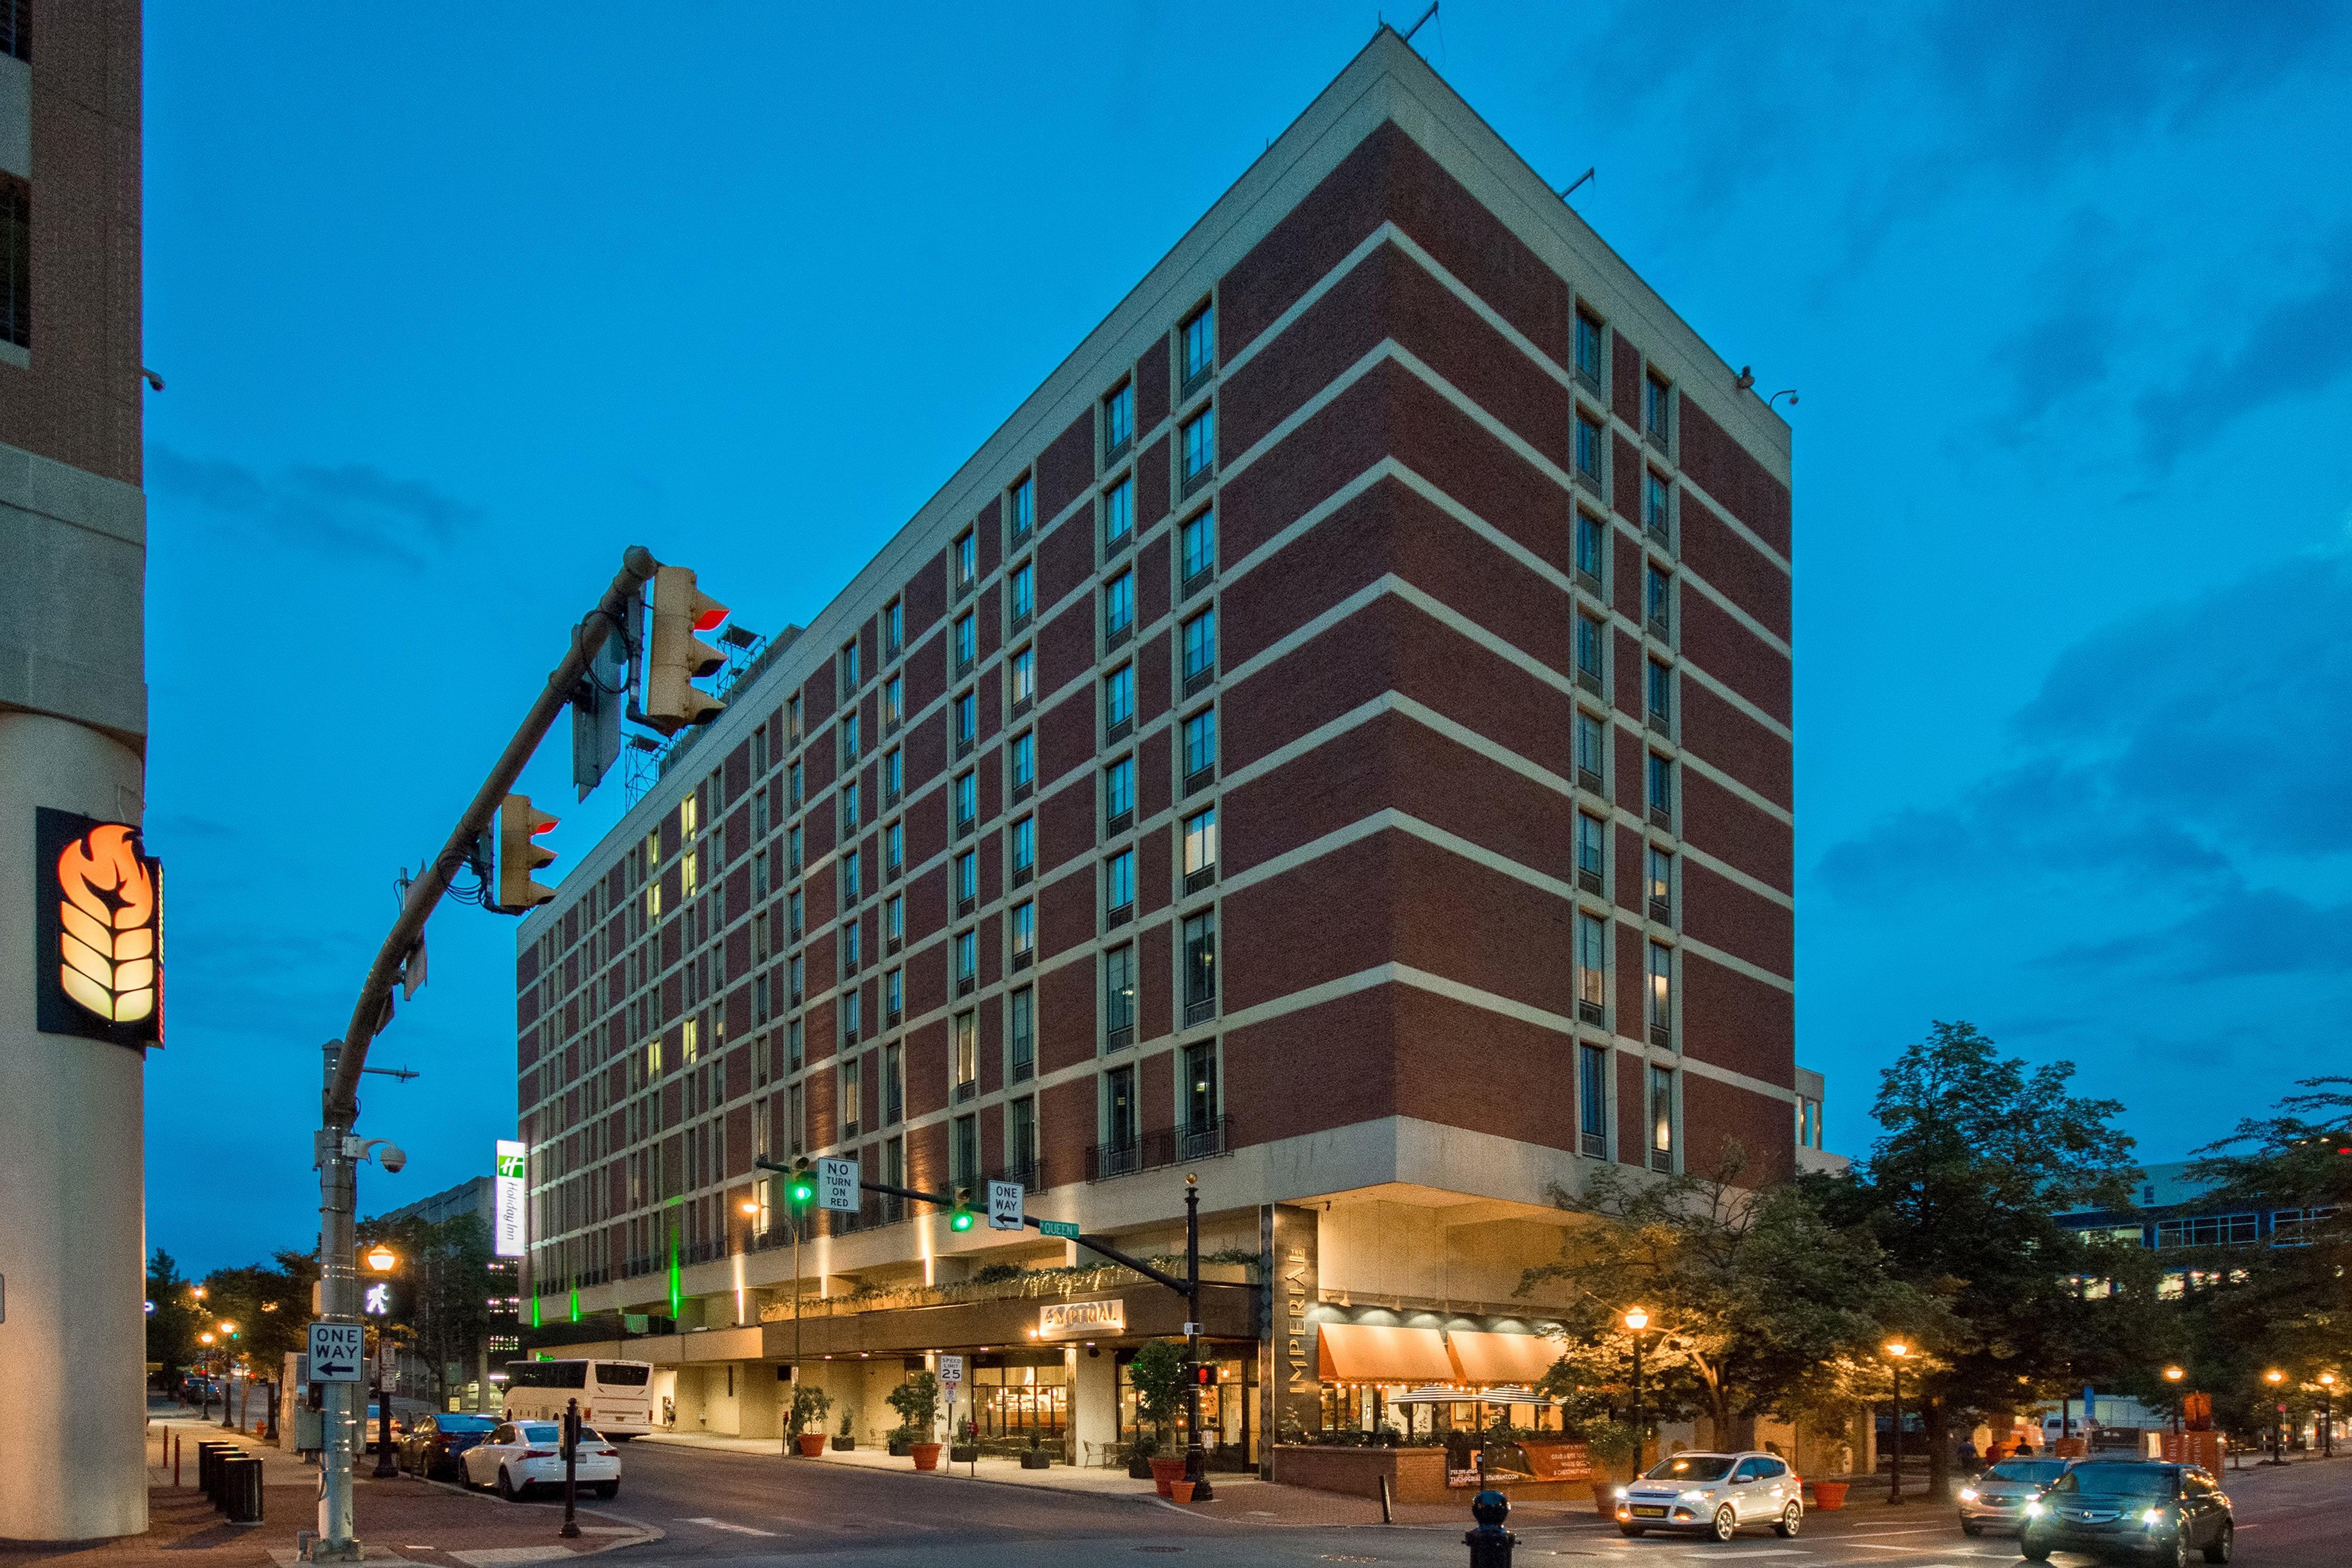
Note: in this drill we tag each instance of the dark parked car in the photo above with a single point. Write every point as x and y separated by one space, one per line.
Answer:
1997 1499
433 1442
2155 1511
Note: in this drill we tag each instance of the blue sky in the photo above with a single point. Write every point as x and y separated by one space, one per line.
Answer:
454 302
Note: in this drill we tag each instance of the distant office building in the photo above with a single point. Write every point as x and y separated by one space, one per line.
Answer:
79 907
2174 1213
466 1197
1333 740
471 1381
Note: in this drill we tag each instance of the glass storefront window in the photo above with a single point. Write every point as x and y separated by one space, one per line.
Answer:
1228 1423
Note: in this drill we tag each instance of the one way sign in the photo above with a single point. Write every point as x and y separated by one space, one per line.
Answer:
338 1351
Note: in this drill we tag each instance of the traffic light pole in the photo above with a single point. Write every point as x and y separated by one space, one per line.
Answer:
337 1150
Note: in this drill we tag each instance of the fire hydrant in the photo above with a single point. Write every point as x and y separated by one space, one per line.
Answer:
1490 1544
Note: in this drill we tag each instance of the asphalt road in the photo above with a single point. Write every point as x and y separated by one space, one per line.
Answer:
749 1511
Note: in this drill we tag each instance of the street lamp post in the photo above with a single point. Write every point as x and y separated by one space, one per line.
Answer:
228 1362
2173 1375
382 1259
1637 1320
2274 1377
1896 1351
2326 1415
206 1339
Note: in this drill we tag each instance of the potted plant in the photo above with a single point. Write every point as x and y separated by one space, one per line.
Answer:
1615 1448
806 1419
966 1447
917 1401
1157 1374
842 1440
1034 1457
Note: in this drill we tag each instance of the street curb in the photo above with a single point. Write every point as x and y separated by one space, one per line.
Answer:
653 1532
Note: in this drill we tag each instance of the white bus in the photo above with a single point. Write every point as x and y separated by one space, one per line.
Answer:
616 1396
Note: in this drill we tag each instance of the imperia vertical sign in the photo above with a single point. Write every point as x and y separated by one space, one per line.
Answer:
507 1201
97 924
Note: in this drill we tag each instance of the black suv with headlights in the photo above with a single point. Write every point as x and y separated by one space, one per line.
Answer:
2156 1512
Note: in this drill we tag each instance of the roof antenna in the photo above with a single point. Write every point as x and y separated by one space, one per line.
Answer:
1746 378
1578 181
1425 15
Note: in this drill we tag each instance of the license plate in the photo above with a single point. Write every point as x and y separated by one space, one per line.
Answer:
1644 1512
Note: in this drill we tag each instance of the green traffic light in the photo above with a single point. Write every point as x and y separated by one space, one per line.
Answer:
961 1219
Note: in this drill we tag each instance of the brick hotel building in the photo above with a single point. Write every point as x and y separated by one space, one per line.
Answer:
1334 739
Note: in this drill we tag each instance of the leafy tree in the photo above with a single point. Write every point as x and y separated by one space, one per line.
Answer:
271 1305
445 1288
1976 1155
172 1326
1757 1304
1157 1373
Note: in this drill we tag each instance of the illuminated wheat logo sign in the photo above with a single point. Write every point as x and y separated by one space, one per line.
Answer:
106 915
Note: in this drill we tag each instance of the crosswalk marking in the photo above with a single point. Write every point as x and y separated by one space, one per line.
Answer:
726 1524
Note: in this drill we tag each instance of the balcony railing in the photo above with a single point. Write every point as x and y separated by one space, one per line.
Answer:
1164 1146
1199 1011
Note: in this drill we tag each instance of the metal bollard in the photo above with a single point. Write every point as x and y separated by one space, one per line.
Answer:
1490 1544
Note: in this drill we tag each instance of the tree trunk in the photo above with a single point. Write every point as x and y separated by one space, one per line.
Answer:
1932 1426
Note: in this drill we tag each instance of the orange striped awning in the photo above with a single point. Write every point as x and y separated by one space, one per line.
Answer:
1515 1358
1375 1352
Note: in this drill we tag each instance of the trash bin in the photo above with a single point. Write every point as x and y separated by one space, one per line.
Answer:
208 1457
241 1489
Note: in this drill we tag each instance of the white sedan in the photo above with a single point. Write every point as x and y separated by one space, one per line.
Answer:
520 1455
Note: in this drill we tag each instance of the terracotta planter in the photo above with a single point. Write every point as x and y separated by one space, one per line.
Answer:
1829 1496
926 1455
1604 1499
1181 1491
1165 1474
812 1444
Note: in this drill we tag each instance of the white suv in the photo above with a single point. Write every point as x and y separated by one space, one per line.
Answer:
1714 1494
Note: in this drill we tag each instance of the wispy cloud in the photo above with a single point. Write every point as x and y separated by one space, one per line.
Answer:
341 510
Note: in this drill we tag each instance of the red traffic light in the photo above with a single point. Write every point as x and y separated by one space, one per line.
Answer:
1205 1374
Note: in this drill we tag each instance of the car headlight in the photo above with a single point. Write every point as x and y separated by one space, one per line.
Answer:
1621 1494
1968 1494
2151 1516
1698 1494
2034 1509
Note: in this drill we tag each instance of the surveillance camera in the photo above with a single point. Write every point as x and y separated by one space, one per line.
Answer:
391 1158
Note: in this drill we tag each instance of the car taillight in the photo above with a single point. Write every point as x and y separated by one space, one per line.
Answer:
539 1453
606 1454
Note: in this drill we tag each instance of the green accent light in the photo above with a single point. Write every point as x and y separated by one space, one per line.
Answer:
677 1277
576 1303
534 1309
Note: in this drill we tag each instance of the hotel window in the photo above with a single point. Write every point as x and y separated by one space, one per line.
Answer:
17 240
796 976
1200 447
1025 678
1588 447
1592 969
966 642
1119 795
1660 691
967 1053
1592 645
1023 761
1119 700
1587 348
849 807
1199 747
967 721
1200 961
1591 543
760 1009
967 960
1590 748
894 628
1662 883
1021 1140
1662 994
894 996
1020 1032
793 914
1119 998
1200 650
893 774
967 557
1024 932
761 950
1662 1118
963 1152
1197 547
967 881
1657 406
893 919
1117 514
1198 335
1592 1100
1118 607
848 740
1024 508
793 1052
850 679
792 718
1118 422
893 703
894 1092
796 1117
1120 1121
967 802
792 794
1200 850
1201 1091
1653 504
1025 849
1023 595
1591 850
853 1022
1118 886
853 885
849 1088
759 874
852 950
894 848
1661 790
1657 597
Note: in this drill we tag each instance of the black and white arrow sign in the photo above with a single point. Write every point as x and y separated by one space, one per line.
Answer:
337 1352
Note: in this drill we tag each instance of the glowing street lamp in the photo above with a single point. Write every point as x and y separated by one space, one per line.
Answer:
2327 1415
1896 1351
382 1259
1637 1320
2278 1418
2173 1375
